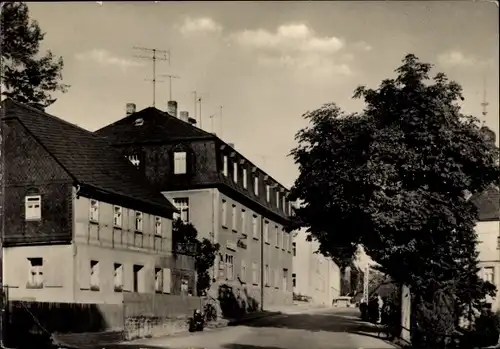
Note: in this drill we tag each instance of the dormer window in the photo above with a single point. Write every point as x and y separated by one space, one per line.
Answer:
235 172
224 166
245 178
256 185
180 166
268 193
284 203
277 198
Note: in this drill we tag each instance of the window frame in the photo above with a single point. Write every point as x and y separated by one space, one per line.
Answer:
180 159
94 208
117 214
36 212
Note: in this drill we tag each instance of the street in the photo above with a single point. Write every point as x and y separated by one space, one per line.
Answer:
313 329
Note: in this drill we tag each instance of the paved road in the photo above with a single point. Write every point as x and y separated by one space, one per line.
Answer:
324 329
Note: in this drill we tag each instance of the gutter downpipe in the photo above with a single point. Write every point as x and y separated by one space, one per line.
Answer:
261 263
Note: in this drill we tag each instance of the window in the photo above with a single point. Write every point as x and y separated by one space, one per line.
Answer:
134 159
94 211
235 172
245 179
266 275
158 280
294 280
294 248
277 278
278 238
255 273
284 203
224 213
233 218
182 204
229 267
489 274
35 277
158 226
138 278
276 235
118 277
138 221
243 275
286 246
117 216
277 199
243 222
268 193
180 162
266 231
33 207
283 234
256 185
255 232
224 168
94 275
284 287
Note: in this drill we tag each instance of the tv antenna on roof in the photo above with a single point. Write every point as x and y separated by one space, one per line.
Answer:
156 55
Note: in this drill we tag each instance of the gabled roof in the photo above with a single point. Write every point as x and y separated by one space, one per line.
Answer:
157 126
86 157
488 203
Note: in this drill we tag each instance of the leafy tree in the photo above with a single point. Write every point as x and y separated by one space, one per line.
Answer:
27 75
185 241
392 178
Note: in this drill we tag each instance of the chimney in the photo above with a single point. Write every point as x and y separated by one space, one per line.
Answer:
172 108
130 108
184 116
192 121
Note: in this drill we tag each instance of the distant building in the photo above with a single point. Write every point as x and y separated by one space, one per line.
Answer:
226 197
488 232
81 223
314 276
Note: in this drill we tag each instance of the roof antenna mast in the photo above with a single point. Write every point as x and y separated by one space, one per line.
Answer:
156 55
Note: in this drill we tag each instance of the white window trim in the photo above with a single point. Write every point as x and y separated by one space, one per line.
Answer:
158 226
180 162
182 204
234 218
255 273
266 231
277 199
243 221
268 192
235 172
256 185
139 220
32 213
117 216
245 178
224 213
255 227
225 165
94 208
118 276
229 259
94 275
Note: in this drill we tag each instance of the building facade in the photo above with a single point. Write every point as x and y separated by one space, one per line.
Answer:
314 276
227 198
488 233
80 223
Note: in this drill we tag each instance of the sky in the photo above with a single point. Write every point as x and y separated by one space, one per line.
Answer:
265 63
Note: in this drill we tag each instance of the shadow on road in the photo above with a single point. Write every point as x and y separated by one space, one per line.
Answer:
246 346
328 322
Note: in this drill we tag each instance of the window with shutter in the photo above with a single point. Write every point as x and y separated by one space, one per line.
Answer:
180 162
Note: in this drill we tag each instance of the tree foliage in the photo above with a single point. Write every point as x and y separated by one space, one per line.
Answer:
185 240
392 178
27 75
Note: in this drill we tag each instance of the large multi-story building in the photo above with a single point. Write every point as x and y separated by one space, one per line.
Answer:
224 195
81 224
488 233
314 276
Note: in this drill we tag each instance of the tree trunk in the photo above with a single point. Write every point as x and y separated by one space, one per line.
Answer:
405 313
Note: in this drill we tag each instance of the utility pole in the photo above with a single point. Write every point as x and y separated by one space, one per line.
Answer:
201 120
157 55
220 115
170 77
195 105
